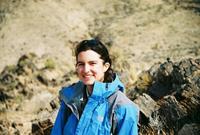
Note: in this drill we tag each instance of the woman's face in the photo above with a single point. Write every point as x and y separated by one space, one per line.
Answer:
90 67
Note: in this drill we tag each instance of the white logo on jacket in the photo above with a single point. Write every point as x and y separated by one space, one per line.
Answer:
100 118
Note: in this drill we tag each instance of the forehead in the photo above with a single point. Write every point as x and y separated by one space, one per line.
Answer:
88 55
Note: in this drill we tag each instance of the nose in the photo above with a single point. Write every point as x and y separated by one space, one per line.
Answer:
86 68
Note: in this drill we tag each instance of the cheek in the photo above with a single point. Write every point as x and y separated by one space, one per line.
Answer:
99 71
79 72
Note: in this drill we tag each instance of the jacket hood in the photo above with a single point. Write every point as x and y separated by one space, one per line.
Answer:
100 90
104 90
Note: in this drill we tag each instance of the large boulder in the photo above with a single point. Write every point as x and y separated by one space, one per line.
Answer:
170 102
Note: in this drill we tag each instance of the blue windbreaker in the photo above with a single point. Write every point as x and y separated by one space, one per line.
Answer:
107 111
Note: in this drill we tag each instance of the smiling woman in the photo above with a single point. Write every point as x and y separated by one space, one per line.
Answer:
90 68
96 104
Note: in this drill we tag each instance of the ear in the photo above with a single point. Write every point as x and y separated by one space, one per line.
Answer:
106 66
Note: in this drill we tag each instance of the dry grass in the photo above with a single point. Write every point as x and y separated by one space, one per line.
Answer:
144 81
123 66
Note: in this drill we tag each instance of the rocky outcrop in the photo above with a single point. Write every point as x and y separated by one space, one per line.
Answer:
31 75
170 98
27 93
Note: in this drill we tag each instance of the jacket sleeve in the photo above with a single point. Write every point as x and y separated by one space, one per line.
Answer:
127 120
61 119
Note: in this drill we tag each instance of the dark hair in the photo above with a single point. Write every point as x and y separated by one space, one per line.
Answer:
97 46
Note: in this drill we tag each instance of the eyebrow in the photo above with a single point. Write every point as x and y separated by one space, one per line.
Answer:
88 61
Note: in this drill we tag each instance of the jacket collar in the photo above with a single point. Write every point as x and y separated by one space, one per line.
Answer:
104 90
100 90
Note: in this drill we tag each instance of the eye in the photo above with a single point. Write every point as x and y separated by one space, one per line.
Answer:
93 63
80 64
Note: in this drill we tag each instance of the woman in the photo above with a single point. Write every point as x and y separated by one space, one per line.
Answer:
96 105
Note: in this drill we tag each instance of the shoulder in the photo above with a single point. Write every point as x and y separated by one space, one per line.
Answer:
120 99
68 93
124 107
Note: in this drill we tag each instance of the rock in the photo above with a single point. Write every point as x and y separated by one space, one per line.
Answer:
54 104
42 127
162 81
25 64
4 127
172 100
147 105
37 102
8 128
190 129
49 77
171 114
142 84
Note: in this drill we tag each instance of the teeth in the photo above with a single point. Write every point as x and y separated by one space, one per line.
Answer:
87 76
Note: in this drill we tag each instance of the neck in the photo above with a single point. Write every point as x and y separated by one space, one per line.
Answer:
90 88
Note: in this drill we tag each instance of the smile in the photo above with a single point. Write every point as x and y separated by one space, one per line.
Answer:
87 76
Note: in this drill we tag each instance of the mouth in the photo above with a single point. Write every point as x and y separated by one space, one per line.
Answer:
87 76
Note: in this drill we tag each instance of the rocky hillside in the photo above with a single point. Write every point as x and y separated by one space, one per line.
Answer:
144 31
155 47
